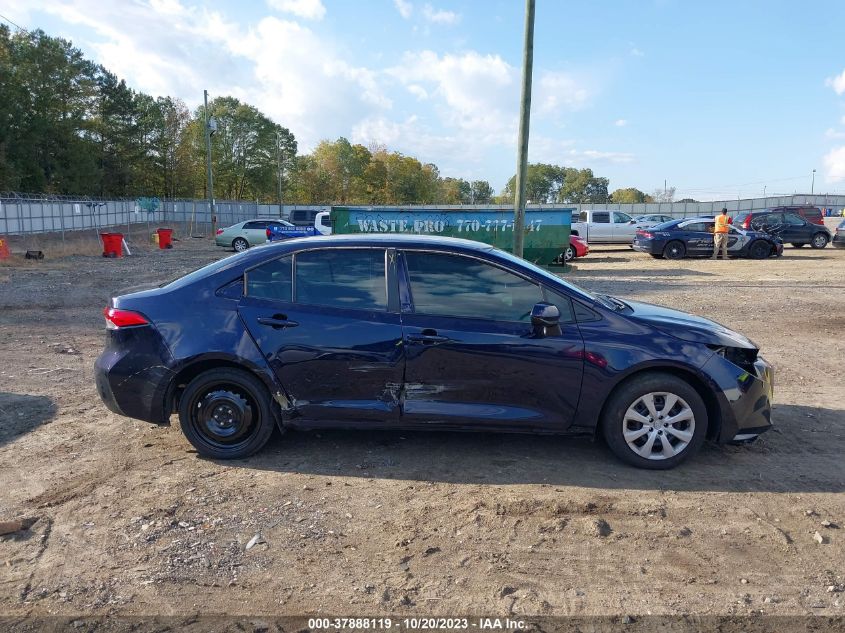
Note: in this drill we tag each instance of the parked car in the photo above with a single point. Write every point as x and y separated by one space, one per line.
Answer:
422 332
605 227
277 231
645 221
578 247
693 237
812 214
242 235
839 235
304 217
789 227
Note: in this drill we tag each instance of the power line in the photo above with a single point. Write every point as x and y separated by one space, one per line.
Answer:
17 26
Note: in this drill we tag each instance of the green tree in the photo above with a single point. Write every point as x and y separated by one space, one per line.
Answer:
542 184
630 195
481 192
581 186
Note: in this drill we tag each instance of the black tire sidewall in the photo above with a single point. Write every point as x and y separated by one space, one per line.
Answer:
569 254
759 245
245 381
667 250
627 393
813 240
239 240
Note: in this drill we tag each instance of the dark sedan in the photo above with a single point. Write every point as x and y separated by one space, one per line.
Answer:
839 235
693 237
416 332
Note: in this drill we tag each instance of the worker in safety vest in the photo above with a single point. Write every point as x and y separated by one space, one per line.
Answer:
720 234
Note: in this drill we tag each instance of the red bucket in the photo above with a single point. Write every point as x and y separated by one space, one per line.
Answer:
164 237
112 244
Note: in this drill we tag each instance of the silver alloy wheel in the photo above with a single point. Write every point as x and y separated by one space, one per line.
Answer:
819 240
240 244
569 254
658 425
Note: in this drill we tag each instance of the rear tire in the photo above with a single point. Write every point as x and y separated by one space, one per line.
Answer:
225 413
656 256
798 245
819 240
675 250
240 244
637 421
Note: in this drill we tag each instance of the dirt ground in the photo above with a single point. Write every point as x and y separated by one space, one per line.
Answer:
131 522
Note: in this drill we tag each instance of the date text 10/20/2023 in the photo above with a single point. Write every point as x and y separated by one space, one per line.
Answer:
462 225
416 623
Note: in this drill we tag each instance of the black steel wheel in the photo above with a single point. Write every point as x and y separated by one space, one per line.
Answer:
760 250
675 250
225 413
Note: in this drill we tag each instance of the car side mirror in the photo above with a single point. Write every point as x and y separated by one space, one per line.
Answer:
545 317
632 222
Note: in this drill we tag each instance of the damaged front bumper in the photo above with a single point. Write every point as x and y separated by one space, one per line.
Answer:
745 398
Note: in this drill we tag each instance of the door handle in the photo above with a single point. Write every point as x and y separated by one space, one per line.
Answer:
428 337
277 321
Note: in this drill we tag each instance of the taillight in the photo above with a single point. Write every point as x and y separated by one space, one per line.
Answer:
219 231
645 234
746 224
269 233
122 318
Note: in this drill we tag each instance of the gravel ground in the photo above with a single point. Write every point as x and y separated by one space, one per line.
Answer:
129 521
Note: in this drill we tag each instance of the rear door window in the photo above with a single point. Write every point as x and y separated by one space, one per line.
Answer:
342 278
272 280
793 220
601 217
457 286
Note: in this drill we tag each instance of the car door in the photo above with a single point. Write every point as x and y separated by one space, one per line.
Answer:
796 229
472 357
255 232
623 229
697 239
322 319
600 228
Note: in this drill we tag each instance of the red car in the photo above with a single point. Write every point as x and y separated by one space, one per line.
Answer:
578 247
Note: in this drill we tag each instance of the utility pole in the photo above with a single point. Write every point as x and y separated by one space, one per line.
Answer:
813 183
209 124
279 169
524 121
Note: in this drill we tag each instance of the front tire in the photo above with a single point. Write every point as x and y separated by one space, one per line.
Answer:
240 244
819 240
225 413
654 421
675 250
759 250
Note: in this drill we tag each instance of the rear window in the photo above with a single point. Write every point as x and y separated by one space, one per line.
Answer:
342 278
811 212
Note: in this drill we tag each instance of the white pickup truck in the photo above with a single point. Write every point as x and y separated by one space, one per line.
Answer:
605 227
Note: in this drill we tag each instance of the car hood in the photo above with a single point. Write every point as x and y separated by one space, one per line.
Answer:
687 327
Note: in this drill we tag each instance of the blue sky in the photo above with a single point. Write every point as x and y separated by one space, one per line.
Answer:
721 99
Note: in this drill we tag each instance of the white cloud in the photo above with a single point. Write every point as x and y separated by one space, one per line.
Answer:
308 9
558 90
620 122
404 8
440 16
635 52
833 133
834 164
418 91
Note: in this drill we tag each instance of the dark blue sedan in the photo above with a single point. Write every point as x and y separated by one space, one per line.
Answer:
693 237
416 332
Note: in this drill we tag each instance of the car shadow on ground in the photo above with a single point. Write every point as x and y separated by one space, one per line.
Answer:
21 413
802 454
637 272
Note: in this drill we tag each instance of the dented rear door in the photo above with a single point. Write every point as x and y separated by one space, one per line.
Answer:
323 320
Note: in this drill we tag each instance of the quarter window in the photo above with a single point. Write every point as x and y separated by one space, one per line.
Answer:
342 278
452 285
271 280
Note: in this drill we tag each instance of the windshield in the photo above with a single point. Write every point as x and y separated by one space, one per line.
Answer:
546 273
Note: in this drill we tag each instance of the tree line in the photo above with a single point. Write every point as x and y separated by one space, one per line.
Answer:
69 126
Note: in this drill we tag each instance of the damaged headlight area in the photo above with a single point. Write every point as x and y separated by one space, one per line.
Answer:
742 357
